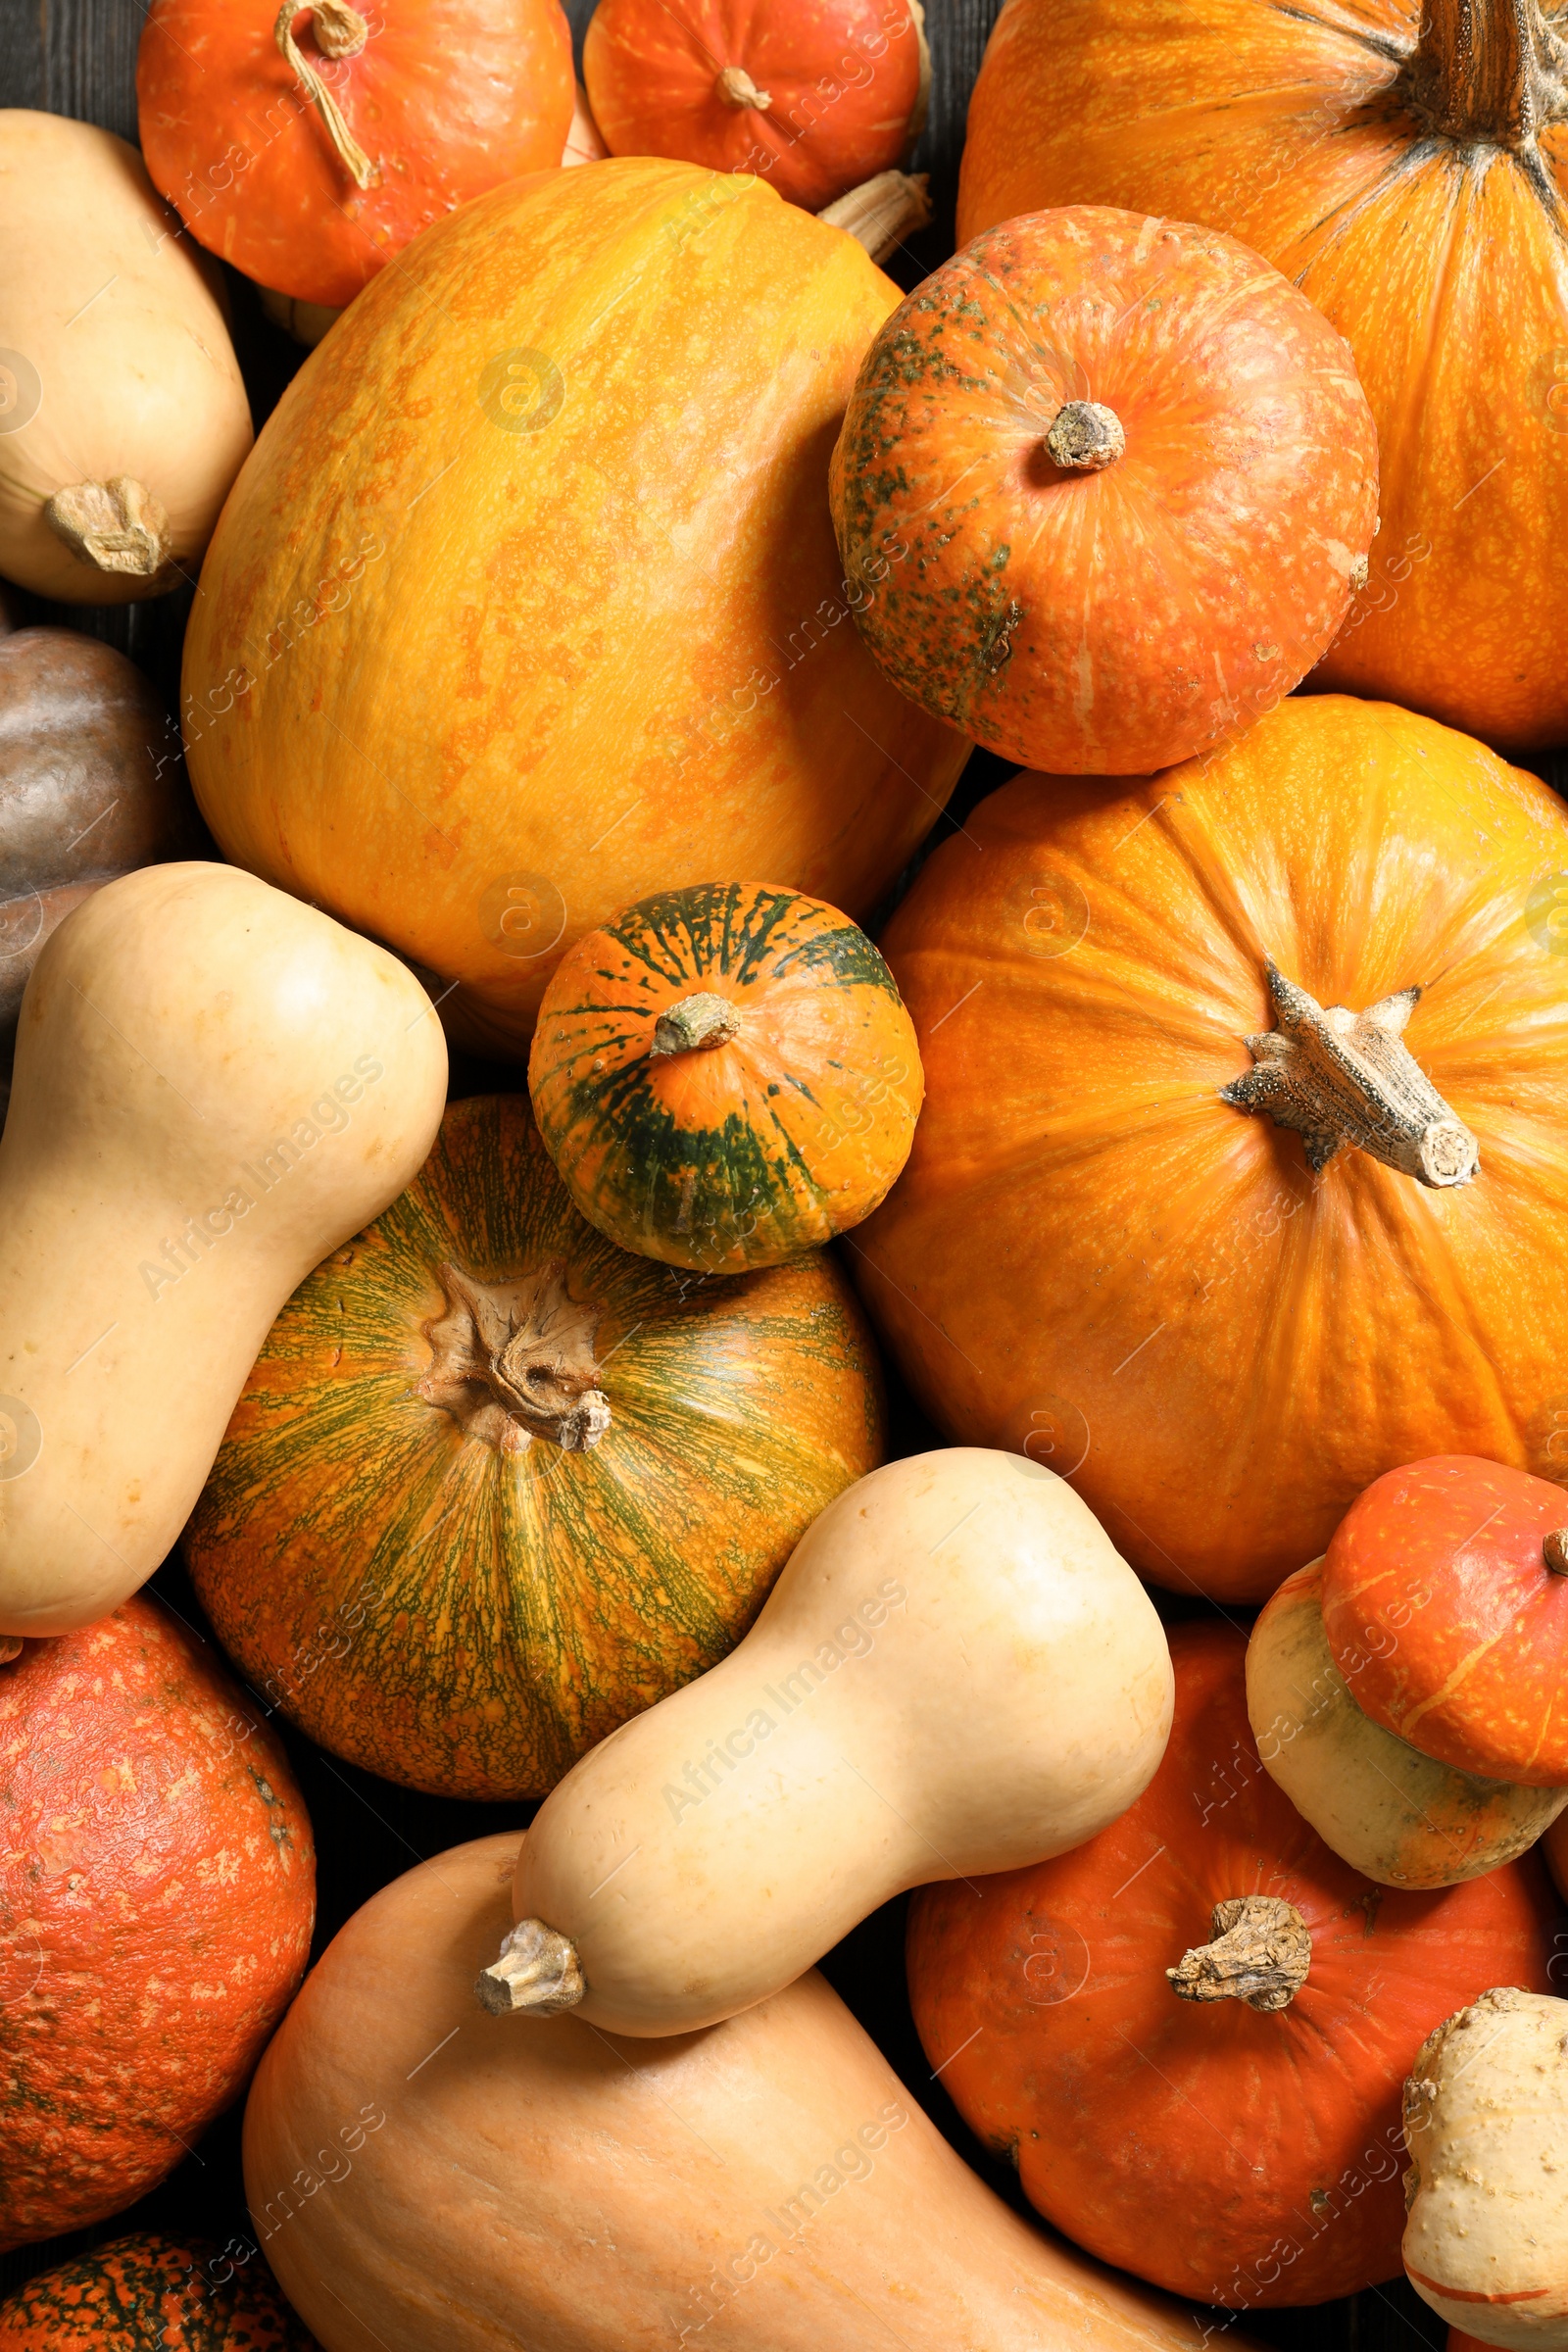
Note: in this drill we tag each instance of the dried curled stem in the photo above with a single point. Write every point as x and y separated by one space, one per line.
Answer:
116 525
882 212
699 1021
1260 1954
537 1974
340 31
515 1362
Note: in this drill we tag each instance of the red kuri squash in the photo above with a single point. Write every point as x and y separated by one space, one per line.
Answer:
814 96
725 1076
1407 164
1137 479
1107 1251
157 1893
178 2294
308 146
1191 2034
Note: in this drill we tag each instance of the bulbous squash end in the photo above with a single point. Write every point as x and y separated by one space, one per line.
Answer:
536 1972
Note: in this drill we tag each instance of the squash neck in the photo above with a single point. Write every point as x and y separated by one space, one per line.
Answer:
1260 1954
514 1360
1489 73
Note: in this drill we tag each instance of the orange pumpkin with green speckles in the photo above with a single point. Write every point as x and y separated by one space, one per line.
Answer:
156 1895
495 1484
725 1076
180 2294
1104 485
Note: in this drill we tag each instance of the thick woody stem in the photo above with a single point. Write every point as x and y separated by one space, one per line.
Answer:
116 525
10 1648
340 26
735 87
882 212
701 1020
1554 1551
515 1362
1488 72
1260 1954
537 1974
1339 1077
1084 437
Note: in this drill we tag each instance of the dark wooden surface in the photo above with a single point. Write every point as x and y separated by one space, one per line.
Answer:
77 57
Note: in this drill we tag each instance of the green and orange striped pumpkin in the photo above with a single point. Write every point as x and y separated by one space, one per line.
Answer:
725 1076
494 1485
178 2294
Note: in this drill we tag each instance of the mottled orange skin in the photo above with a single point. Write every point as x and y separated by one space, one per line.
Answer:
1117 619
1092 1258
1436 1597
1443 263
1237 2156
175 2294
157 1895
566 637
446 98
842 77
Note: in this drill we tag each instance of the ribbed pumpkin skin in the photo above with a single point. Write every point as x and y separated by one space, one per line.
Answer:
532 584
1436 1597
1237 2156
1108 621
742 1154
470 1621
1438 258
157 1895
175 2294
1091 1257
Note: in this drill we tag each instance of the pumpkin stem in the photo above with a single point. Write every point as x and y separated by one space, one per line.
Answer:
735 87
1339 1077
1260 1954
10 1648
703 1020
537 1973
1489 71
515 1362
882 212
335 30
1554 1551
1084 437
116 525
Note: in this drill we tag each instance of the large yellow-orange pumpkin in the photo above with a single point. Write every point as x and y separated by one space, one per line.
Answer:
495 1484
529 602
1235 2134
1407 165
1095 1258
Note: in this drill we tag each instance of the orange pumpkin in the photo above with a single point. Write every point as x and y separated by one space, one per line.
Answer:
1446 1594
1106 1252
1407 167
309 147
531 586
1193 2033
157 1893
1130 477
180 2294
725 1076
813 95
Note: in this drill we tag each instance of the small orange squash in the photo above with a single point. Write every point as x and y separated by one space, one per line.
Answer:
180 2294
494 1485
1131 479
725 1076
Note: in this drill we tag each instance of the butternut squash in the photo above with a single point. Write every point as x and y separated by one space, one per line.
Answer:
214 1085
1392 1813
955 1674
425 2178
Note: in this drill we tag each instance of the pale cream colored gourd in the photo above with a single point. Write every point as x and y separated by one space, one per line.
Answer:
1394 1814
425 2179
214 1086
1486 2121
123 415
955 1674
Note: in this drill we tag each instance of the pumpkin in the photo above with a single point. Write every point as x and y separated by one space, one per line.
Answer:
1391 1812
215 1086
1142 1234
123 415
1191 2032
725 1076
156 1903
1445 1592
1486 2120
89 788
813 95
494 1485
419 2175
181 2295
308 146
1404 165
609 650
1136 477
969 1593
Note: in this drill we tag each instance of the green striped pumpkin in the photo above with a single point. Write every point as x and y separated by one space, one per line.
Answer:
154 2295
495 1484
